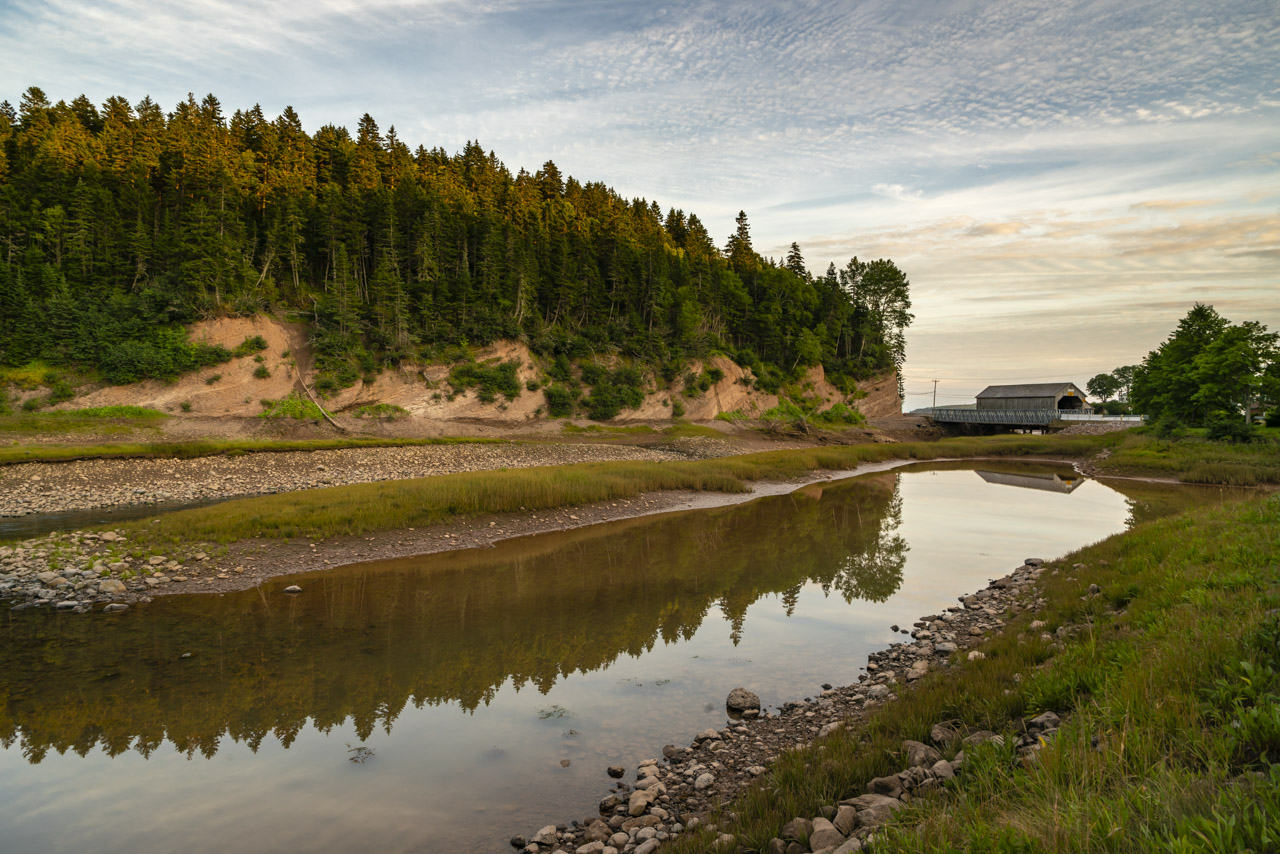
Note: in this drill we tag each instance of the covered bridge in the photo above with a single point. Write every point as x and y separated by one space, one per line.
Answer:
1035 396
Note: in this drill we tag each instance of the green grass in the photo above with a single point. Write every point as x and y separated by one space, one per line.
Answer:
1194 459
293 406
603 430
28 423
388 505
205 448
1172 693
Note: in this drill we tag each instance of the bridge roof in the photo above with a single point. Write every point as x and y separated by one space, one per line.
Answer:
1029 390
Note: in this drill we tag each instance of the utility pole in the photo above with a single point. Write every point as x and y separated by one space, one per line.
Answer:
935 394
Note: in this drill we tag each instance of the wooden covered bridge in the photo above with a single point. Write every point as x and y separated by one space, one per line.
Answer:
1036 406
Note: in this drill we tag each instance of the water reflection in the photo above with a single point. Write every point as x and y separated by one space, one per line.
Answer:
364 642
1047 481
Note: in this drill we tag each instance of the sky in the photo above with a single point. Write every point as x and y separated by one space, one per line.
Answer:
1060 179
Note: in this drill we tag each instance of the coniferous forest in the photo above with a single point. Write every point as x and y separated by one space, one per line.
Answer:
119 224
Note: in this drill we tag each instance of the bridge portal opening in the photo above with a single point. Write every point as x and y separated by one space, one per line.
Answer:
1072 403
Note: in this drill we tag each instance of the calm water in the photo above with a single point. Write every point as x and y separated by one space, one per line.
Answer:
471 676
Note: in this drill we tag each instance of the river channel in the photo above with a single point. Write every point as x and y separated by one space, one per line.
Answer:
464 680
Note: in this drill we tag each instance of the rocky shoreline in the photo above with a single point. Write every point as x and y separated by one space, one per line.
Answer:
678 792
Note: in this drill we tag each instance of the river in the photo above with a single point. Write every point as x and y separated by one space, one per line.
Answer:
465 680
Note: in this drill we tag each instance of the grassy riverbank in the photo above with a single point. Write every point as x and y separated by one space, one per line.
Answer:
388 505
1170 692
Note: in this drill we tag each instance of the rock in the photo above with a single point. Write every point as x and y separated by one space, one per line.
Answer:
597 832
293 588
707 735
945 648
775 846
976 656
518 842
1034 561
943 734
827 729
797 829
1048 720
670 751
65 605
704 781
756 770
846 820
890 786
115 607
740 700
590 848
942 769
982 736
641 800
917 669
648 847
546 836
876 692
615 771
1094 590
919 754
850 847
609 803
824 835
619 840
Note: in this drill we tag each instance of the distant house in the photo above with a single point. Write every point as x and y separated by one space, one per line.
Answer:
1067 396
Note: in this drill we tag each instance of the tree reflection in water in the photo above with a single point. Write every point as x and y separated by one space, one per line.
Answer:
365 641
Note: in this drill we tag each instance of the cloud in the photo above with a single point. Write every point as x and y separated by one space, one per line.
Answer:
1023 160
996 229
1171 204
897 191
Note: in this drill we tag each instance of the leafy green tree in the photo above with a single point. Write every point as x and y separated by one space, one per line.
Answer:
1207 369
1103 386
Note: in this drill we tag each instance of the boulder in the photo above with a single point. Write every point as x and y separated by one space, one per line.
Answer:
890 786
919 754
741 700
797 829
846 820
824 835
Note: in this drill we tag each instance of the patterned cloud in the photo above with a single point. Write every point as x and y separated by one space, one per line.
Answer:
1024 160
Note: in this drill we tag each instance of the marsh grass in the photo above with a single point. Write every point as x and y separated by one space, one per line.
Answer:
388 505
1195 459
1172 692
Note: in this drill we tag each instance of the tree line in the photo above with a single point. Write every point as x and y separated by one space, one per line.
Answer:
121 223
1209 372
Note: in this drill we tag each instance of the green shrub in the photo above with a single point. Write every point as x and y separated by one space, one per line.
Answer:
1169 427
560 400
677 409
1230 430
185 406
262 372
213 379
839 414
614 391
532 385
1273 417
252 344
291 406
488 379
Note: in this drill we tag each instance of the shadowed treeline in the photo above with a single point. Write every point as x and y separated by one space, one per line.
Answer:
364 641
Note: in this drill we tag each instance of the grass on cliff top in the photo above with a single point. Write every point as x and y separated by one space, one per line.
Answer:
1171 695
10 454
362 508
